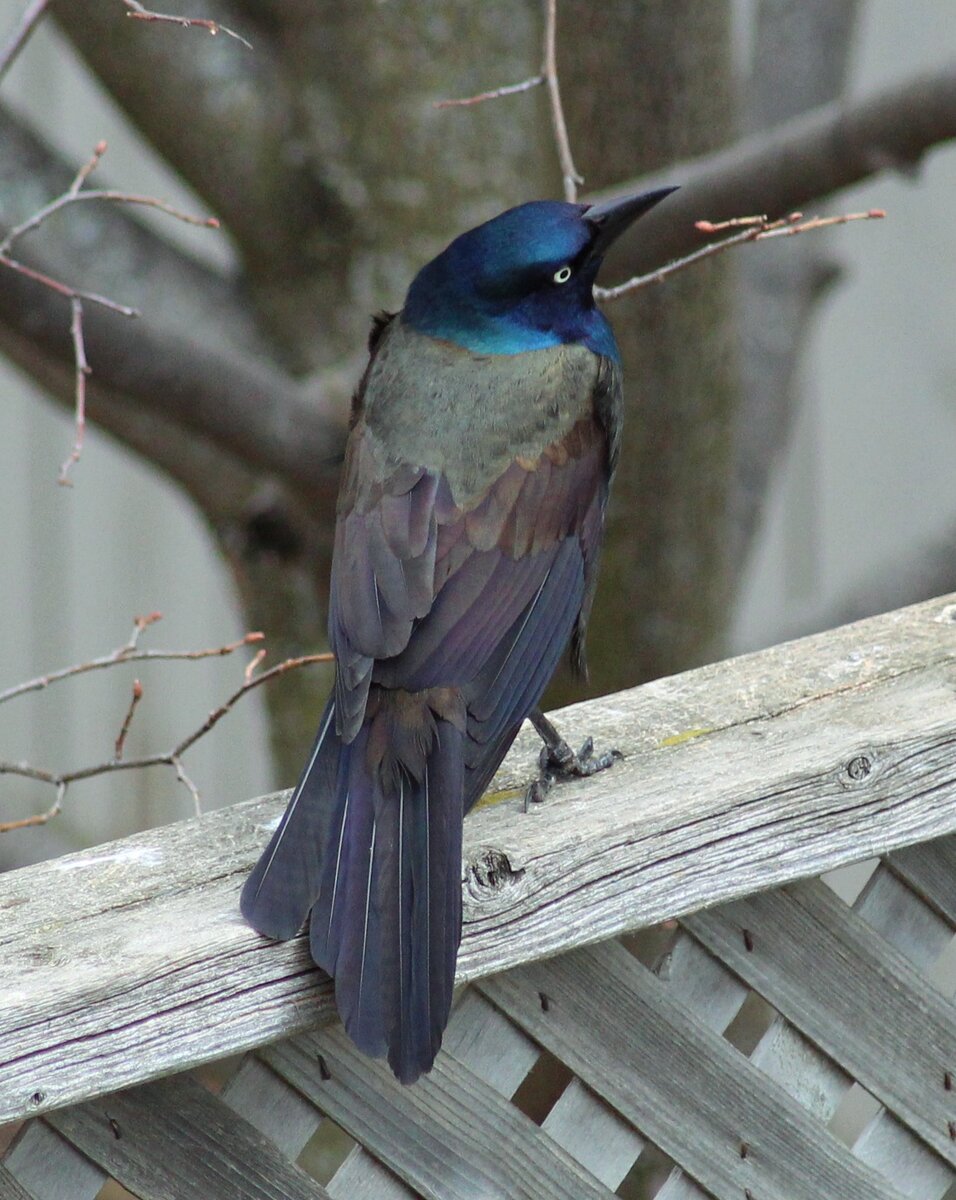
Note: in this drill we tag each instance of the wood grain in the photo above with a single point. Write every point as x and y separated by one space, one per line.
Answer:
131 961
173 1140
851 992
682 1085
451 1137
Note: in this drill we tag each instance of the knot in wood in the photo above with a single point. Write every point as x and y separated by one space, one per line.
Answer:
859 767
492 870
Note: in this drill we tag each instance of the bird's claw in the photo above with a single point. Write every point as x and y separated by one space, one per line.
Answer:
558 762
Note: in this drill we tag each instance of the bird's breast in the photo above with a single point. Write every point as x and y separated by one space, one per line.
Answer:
433 404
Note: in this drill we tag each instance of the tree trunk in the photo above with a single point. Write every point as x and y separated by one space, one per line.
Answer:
641 92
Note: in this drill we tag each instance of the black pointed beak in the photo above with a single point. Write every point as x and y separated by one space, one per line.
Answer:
610 219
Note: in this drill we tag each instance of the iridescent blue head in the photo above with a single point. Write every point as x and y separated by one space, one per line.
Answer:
525 279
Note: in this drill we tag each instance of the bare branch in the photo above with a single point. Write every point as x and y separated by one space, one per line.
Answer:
120 742
549 76
143 14
73 195
37 818
264 194
795 163
64 289
82 370
509 89
184 779
28 22
751 229
249 682
549 69
129 652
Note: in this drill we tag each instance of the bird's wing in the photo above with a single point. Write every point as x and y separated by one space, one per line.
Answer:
483 597
383 569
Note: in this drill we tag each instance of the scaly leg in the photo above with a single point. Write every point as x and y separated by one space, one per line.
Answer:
558 761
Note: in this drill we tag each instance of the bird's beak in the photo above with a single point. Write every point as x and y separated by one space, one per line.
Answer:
610 219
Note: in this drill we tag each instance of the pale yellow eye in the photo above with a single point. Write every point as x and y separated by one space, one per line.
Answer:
562 275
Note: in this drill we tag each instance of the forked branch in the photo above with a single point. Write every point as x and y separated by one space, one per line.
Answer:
749 229
76 195
130 652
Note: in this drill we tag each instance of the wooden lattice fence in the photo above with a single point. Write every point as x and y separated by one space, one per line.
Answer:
721 1058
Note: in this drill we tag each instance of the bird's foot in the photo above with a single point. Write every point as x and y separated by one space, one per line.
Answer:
557 761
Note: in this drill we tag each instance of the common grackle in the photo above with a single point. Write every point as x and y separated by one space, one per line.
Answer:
484 436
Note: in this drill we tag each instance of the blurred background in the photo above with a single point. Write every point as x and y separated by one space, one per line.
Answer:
858 513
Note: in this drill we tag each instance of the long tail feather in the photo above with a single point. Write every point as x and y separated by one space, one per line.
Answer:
283 886
388 919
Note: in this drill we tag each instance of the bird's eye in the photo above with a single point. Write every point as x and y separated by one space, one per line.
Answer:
562 275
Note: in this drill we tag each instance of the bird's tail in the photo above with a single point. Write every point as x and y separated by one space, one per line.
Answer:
284 883
381 870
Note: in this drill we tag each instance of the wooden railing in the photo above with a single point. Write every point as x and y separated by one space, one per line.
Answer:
130 962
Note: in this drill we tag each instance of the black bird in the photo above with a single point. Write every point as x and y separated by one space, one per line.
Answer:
484 436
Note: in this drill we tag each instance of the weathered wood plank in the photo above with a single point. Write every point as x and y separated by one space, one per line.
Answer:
173 1140
10 1188
267 1102
812 1078
852 993
489 1044
362 1178
485 1042
930 869
593 1134
131 961
681 1084
50 1168
451 1137
900 916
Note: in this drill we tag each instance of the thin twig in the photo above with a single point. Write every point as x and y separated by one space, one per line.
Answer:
549 70
88 167
173 757
750 229
509 89
120 743
64 289
139 13
184 779
82 371
38 818
111 196
28 22
253 664
549 75
127 653
75 195
290 664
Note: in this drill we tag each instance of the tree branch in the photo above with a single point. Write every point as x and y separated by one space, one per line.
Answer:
793 164
112 252
244 406
223 387
76 296
139 13
127 653
220 116
748 229
18 39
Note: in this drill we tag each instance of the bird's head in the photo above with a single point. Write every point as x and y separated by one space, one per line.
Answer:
524 280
